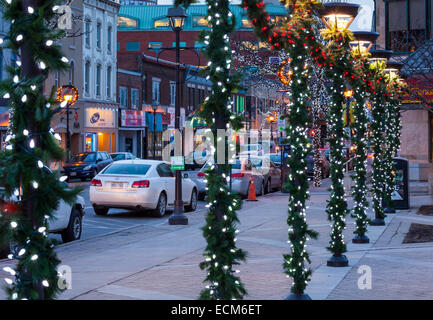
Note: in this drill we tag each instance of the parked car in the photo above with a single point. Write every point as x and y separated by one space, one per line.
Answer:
274 157
271 172
86 165
242 173
116 156
67 219
324 163
140 185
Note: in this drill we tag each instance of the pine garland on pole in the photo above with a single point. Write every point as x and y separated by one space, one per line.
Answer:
359 139
34 191
377 88
220 230
338 63
298 40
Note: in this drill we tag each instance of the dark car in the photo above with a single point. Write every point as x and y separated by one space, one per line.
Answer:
86 165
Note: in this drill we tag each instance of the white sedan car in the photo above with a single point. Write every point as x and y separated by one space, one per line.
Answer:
140 185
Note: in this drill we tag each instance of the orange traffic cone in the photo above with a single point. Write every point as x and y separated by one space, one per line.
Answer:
252 191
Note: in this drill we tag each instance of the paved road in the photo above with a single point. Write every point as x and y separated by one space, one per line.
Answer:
116 220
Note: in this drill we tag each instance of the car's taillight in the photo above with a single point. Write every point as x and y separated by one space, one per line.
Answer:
96 183
237 175
201 174
141 184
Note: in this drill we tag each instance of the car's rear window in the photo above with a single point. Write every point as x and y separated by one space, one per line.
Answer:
120 168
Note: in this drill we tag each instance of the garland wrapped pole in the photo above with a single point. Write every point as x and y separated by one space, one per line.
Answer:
33 190
357 79
297 38
337 17
220 230
393 128
378 90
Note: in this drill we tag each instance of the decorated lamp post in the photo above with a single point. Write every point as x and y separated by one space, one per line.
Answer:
177 20
360 47
337 17
378 90
392 129
67 96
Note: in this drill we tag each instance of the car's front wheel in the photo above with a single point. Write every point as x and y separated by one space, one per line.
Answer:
161 207
193 203
73 231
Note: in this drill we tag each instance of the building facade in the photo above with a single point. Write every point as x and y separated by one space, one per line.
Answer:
99 65
405 27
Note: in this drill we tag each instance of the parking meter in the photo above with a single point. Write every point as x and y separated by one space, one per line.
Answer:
285 169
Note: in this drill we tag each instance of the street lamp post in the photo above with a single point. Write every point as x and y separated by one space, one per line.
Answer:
177 19
337 17
67 95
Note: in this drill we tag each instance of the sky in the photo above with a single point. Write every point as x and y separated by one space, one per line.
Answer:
362 22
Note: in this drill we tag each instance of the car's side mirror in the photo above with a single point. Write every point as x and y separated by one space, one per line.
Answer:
185 176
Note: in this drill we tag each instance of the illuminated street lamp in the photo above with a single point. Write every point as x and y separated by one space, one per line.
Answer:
177 17
68 94
363 41
337 16
272 118
348 94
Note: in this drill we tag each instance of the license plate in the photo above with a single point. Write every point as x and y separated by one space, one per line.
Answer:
116 185
73 173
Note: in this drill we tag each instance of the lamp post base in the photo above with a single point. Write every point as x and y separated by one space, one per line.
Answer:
297 296
377 222
337 261
178 217
360 239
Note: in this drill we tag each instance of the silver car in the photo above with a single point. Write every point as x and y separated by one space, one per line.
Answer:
271 172
243 171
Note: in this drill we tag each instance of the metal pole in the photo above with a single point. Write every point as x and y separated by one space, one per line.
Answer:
68 137
178 217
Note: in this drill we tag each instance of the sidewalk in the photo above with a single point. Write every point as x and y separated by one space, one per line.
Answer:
161 262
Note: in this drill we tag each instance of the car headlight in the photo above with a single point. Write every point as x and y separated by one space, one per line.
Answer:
87 168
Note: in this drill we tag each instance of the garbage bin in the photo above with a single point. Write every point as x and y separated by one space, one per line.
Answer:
400 195
285 169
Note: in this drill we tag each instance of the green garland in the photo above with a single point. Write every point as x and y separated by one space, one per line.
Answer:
220 231
297 38
378 90
360 125
336 69
30 143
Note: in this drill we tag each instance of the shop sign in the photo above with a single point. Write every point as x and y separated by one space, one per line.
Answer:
100 118
177 163
132 118
166 118
172 112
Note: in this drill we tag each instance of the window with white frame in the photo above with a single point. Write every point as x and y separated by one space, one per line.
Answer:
109 36
87 77
172 93
156 90
98 80
98 35
87 25
109 82
134 98
123 97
